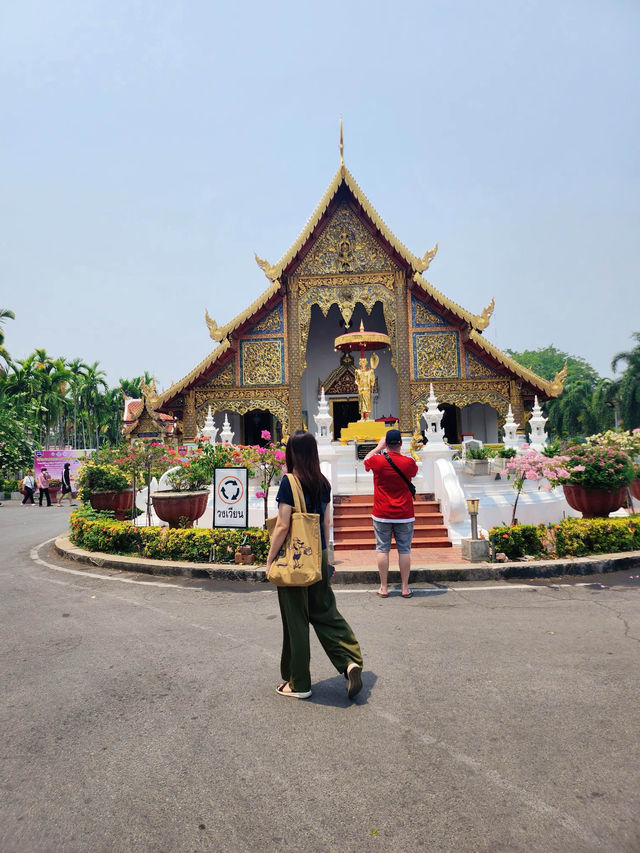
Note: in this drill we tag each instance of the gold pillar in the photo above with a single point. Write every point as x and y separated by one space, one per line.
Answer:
295 357
517 406
403 364
189 418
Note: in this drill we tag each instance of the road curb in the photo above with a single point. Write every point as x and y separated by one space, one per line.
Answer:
530 569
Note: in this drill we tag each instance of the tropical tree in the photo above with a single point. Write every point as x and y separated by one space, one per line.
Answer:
91 389
5 314
576 411
628 386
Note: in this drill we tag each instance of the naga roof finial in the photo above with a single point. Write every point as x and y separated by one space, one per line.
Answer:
482 320
215 332
266 267
557 383
426 259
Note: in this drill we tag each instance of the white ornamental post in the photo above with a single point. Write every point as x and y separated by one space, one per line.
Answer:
210 429
510 431
323 421
226 435
537 421
437 446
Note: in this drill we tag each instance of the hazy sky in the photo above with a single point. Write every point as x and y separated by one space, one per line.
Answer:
148 149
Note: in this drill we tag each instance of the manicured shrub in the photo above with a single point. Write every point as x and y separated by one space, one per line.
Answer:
100 532
518 540
577 537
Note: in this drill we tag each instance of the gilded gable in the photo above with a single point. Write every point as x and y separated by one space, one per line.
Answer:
345 246
476 367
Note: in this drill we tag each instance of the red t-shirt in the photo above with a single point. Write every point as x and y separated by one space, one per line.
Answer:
392 500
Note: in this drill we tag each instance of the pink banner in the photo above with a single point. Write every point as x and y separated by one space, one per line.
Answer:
53 461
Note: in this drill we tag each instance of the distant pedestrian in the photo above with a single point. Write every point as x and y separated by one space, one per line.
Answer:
43 484
392 506
65 485
29 485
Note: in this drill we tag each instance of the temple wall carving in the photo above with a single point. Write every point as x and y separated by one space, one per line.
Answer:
262 362
436 355
463 392
345 246
243 400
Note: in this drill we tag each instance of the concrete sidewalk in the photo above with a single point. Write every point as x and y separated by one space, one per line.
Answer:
431 565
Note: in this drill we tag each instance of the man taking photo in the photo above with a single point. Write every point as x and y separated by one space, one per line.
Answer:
392 506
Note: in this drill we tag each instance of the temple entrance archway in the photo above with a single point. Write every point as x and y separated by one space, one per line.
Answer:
323 363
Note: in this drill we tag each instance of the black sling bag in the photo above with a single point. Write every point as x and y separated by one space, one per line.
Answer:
410 485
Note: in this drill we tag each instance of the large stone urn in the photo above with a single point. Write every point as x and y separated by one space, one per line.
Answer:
120 503
634 486
594 503
180 509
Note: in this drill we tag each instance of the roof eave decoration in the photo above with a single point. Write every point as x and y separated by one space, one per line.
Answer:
548 388
344 176
483 320
219 334
458 310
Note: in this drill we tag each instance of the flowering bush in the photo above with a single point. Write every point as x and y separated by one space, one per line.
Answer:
627 442
270 462
598 466
97 477
543 470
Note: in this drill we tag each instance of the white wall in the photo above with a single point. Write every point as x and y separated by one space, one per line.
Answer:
481 421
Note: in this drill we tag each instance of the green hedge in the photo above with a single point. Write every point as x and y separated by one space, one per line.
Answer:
100 532
573 537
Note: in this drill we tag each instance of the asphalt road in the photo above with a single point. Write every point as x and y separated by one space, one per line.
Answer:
139 714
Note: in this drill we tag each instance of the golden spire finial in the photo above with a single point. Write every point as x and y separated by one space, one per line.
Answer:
341 146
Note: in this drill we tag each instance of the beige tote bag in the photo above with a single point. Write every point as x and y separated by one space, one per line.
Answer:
299 561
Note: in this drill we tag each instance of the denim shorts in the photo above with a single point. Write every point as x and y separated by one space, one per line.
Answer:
402 530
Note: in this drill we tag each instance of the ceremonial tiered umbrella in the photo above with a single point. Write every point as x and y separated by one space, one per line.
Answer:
364 341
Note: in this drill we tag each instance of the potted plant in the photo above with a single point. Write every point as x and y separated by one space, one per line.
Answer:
54 488
186 500
105 487
502 456
476 460
599 475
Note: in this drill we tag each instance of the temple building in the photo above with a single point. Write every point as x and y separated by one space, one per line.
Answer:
347 268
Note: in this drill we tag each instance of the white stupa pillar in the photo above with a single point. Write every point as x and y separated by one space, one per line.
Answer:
226 435
210 429
437 446
510 431
537 421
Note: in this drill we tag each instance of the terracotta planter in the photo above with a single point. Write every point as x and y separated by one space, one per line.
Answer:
594 503
180 509
120 503
635 488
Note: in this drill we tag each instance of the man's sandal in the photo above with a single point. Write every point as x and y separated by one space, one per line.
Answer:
299 695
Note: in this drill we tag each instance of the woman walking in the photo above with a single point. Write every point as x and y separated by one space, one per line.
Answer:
29 485
65 485
316 604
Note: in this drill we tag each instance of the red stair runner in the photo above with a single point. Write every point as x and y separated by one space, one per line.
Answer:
353 527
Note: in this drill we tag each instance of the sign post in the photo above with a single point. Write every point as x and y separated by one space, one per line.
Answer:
230 497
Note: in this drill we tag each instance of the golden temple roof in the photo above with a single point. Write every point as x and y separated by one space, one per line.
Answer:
344 176
524 373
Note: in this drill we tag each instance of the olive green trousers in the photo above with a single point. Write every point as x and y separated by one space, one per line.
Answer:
301 606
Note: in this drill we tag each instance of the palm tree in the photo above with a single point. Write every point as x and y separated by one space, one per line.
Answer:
77 373
5 314
90 392
629 384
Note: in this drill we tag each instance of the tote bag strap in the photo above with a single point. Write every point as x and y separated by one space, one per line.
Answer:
300 504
